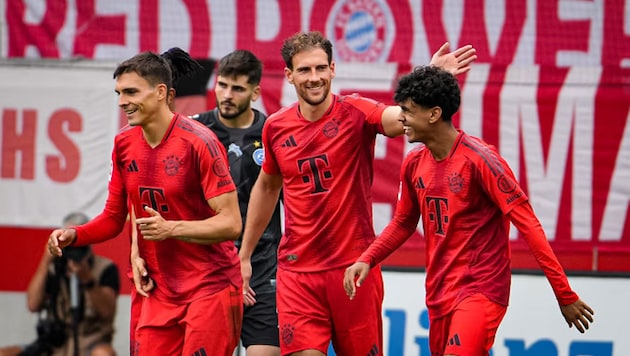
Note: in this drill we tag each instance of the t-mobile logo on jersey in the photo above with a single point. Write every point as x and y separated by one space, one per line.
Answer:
313 173
438 209
153 197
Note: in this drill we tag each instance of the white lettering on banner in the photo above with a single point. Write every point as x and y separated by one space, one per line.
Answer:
526 32
472 110
546 177
619 193
576 114
517 110
583 11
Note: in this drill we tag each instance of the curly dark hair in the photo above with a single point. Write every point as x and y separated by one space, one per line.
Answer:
305 41
241 62
430 86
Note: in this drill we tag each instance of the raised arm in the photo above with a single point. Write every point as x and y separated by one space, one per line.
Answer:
37 286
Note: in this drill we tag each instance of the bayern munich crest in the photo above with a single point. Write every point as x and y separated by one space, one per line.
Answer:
361 30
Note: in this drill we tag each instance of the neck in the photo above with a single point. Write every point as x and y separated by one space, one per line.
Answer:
155 130
441 142
243 121
315 112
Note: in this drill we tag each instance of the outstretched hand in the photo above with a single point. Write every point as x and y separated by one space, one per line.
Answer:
578 314
354 277
456 62
59 239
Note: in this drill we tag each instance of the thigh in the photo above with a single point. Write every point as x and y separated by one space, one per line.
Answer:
213 324
303 313
158 330
474 324
438 333
357 323
260 322
136 308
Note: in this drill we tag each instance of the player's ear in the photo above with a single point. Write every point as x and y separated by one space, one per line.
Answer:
436 114
288 73
256 93
162 92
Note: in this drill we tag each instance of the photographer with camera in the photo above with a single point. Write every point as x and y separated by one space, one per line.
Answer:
75 297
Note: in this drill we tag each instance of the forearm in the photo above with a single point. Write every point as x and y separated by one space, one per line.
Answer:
392 237
525 220
36 287
103 227
213 230
260 210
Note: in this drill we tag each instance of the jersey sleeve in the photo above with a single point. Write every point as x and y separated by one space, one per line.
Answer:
404 222
524 218
110 222
214 168
372 109
498 179
269 165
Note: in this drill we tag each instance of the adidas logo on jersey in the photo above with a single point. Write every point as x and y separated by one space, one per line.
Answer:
290 142
454 340
132 167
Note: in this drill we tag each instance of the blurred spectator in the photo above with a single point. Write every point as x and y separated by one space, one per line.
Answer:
75 297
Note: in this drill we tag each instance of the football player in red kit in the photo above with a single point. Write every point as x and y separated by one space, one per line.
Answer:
320 151
467 196
174 173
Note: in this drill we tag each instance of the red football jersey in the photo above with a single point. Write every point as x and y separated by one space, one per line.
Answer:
176 178
327 173
463 201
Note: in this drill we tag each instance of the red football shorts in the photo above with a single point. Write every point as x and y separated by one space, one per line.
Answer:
313 309
207 326
469 330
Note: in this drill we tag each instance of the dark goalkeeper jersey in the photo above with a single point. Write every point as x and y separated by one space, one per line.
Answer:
245 153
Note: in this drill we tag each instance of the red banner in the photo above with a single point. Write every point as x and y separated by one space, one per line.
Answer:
551 89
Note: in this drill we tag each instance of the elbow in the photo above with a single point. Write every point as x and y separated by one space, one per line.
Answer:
235 230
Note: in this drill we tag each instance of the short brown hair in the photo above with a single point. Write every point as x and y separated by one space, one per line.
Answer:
304 41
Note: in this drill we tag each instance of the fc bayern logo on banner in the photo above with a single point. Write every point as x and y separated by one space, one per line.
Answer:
361 30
